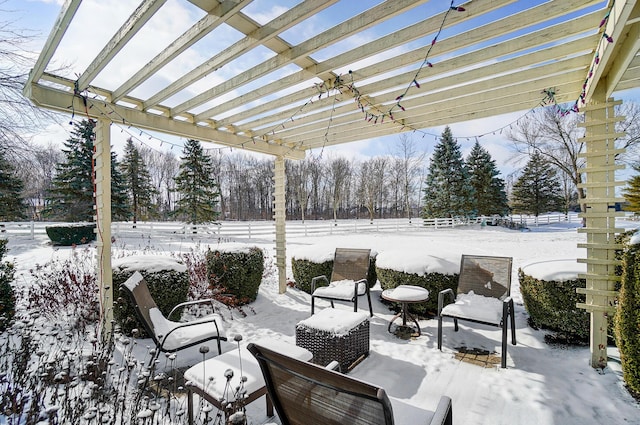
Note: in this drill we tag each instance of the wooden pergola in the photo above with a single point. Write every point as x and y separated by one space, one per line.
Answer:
327 72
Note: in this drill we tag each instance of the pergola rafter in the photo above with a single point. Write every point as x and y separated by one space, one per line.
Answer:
279 86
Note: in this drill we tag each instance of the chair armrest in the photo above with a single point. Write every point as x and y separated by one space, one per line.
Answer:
444 412
184 304
187 324
316 279
441 296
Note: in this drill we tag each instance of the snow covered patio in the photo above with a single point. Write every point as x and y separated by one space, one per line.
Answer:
543 384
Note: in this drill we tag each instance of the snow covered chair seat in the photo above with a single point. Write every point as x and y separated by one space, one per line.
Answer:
483 296
170 336
217 379
305 393
348 279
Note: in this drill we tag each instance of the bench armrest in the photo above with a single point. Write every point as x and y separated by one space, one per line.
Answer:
317 279
441 296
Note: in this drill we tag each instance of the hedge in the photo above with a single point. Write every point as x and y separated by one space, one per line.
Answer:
168 282
627 318
7 296
434 282
71 234
236 272
551 305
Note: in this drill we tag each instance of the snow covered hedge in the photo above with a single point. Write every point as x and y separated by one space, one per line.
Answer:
318 262
548 289
419 268
627 319
71 233
166 277
236 270
7 297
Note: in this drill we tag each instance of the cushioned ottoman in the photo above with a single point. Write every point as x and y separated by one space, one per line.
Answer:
334 334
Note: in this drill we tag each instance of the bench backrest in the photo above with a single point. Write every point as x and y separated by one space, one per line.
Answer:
485 275
350 264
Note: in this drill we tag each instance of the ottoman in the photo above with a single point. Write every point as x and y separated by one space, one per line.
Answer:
334 334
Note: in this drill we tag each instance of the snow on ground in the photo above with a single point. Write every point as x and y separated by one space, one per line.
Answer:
543 384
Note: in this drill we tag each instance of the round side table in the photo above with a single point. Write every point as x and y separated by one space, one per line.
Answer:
405 295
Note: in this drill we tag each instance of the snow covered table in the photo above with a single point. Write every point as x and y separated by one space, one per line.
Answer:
208 378
405 295
335 334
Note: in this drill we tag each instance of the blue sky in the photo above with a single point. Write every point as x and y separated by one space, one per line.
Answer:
38 16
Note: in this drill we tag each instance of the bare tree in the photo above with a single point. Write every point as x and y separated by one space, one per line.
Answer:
410 162
557 138
18 117
339 173
163 167
371 187
36 168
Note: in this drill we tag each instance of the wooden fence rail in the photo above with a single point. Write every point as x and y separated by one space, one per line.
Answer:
238 230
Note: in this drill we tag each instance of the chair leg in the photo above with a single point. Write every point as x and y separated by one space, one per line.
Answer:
189 407
369 300
269 406
504 344
513 324
355 303
455 324
332 306
313 304
439 332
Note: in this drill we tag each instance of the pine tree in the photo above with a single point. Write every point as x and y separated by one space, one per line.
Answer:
448 192
537 190
490 195
120 206
71 195
12 205
632 192
140 190
194 182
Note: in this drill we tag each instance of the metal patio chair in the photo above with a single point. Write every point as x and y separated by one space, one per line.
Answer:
304 393
348 279
483 296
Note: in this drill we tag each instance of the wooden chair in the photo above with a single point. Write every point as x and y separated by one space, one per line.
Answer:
170 336
304 393
483 296
348 279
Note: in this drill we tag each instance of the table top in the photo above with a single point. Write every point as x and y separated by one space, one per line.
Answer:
406 294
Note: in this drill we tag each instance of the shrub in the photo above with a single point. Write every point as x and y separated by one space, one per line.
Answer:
7 297
236 272
305 270
628 318
552 305
168 282
71 234
434 282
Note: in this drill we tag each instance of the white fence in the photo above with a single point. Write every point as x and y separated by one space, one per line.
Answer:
231 230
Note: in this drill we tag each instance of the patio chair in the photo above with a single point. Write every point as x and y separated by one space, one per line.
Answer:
304 393
483 296
348 279
170 336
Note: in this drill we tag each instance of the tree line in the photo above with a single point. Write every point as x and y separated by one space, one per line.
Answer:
198 186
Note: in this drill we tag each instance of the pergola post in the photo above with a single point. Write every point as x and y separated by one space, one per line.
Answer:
280 219
600 185
102 193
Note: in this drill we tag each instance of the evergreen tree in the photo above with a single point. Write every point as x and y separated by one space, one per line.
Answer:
632 192
139 188
71 195
195 183
537 190
12 205
120 206
490 195
448 191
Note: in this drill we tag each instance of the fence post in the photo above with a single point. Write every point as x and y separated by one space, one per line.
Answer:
249 230
33 230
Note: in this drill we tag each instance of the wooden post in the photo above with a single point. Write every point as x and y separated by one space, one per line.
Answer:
102 193
600 218
280 218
